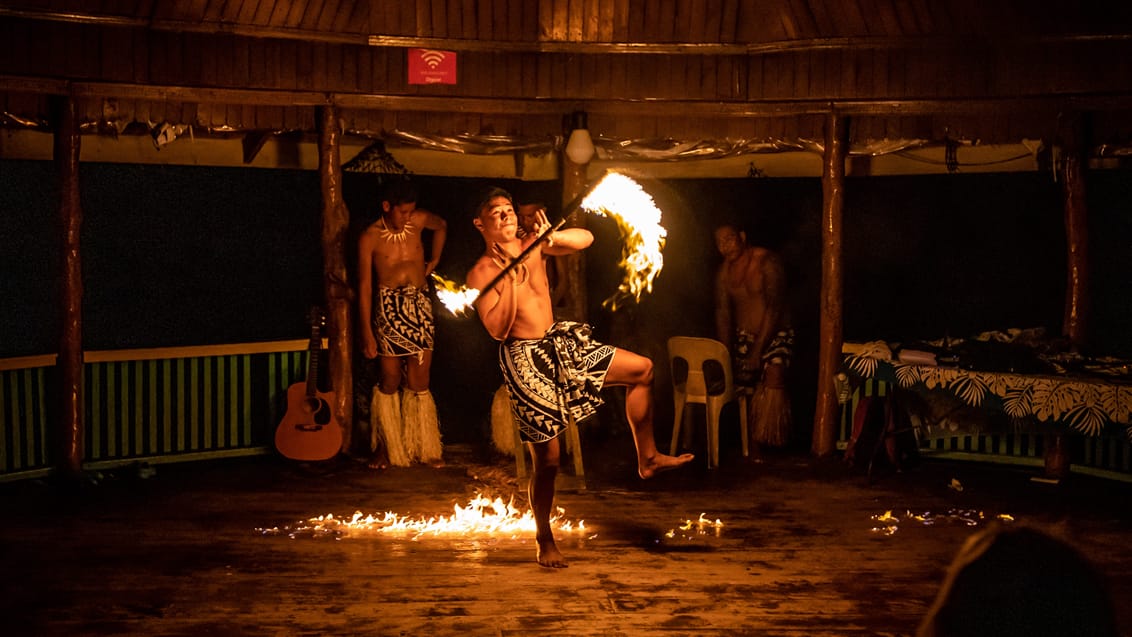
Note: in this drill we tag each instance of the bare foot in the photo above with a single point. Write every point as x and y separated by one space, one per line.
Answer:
662 462
435 464
377 464
549 555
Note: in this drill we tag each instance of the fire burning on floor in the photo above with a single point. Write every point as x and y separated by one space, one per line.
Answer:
692 528
890 524
482 517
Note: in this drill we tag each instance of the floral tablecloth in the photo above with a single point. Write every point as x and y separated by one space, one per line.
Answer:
1086 405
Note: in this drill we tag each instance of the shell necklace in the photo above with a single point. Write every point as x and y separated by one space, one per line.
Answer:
395 237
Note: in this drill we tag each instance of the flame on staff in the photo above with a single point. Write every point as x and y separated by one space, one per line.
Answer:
482 517
638 219
457 298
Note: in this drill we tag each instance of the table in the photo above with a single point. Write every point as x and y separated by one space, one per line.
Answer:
1060 404
1083 405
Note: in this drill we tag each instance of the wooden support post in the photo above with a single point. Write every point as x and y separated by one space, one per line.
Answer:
572 267
1075 322
335 221
1075 325
1056 457
830 326
71 422
571 303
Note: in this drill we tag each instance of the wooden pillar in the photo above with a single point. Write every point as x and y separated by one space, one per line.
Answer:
1075 321
335 221
572 267
830 323
71 422
1056 457
1075 324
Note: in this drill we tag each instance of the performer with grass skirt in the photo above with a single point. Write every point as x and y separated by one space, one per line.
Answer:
396 326
753 320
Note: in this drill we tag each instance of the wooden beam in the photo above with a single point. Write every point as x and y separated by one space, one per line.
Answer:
171 93
552 106
830 321
253 142
28 362
194 351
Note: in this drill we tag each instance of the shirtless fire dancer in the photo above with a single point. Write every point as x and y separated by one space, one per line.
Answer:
553 370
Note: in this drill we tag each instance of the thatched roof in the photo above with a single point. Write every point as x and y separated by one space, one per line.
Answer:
721 72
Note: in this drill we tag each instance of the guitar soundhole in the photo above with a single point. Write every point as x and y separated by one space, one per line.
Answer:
319 410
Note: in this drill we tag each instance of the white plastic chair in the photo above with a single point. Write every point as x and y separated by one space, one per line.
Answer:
695 388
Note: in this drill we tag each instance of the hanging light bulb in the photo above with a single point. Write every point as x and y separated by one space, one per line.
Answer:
580 147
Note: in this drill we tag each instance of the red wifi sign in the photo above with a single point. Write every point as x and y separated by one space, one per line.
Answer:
430 66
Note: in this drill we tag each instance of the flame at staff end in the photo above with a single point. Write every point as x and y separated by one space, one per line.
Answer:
458 299
638 219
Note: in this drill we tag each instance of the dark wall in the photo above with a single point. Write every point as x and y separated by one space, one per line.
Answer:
1109 197
170 255
29 259
191 255
953 254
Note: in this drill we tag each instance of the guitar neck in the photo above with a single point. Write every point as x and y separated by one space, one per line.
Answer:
312 360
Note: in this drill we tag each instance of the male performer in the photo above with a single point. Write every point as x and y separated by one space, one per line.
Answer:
396 325
502 422
753 320
554 372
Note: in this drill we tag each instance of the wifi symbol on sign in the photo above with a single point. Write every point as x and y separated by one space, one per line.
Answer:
432 58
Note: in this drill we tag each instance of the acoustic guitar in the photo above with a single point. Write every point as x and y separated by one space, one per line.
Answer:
309 430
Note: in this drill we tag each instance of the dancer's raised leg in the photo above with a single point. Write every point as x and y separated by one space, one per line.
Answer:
635 372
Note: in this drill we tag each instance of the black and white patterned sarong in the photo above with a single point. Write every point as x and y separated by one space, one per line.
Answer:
554 378
747 368
781 348
403 323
